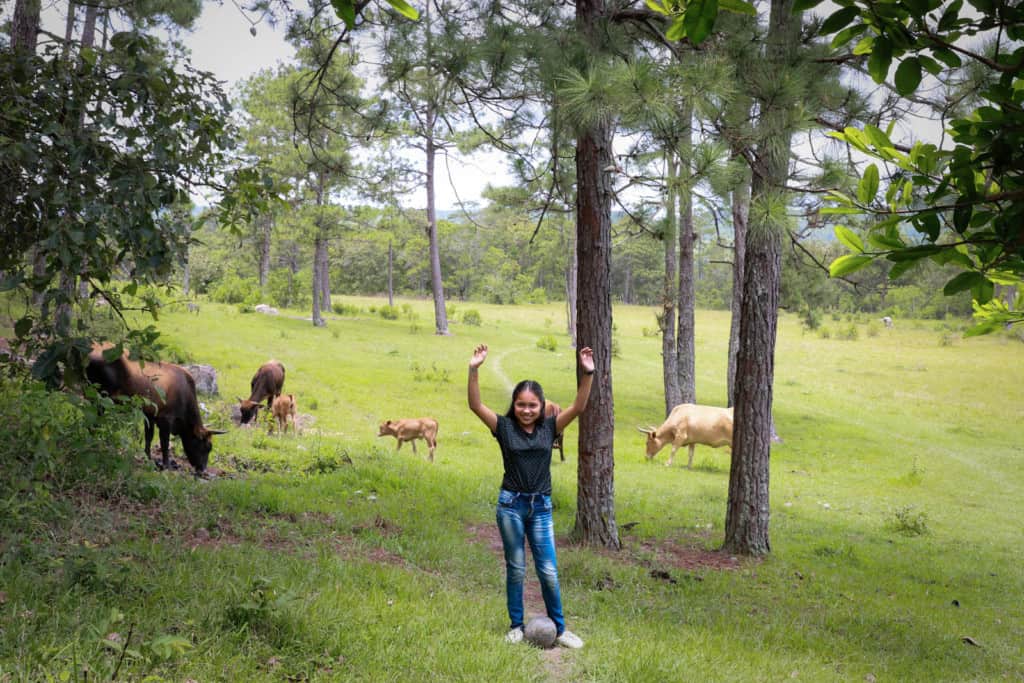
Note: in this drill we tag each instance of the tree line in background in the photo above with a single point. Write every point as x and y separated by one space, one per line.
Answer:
741 133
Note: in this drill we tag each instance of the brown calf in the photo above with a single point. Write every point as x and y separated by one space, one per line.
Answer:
411 429
284 410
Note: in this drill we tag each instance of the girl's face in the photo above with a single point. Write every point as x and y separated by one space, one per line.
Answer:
527 408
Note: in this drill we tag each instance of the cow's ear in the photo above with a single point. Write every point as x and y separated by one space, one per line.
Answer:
213 432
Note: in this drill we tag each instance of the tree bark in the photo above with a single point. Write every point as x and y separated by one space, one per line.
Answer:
266 223
670 292
25 25
571 289
740 216
325 277
391 274
595 508
685 364
748 514
436 281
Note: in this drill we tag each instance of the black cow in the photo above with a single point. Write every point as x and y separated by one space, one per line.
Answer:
172 406
266 385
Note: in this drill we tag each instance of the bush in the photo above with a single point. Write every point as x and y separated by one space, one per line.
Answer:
810 319
388 312
547 342
908 521
849 333
824 333
345 309
235 290
472 317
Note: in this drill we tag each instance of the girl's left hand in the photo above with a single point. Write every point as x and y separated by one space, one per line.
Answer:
587 359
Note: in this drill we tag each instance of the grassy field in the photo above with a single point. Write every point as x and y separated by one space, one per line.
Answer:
895 498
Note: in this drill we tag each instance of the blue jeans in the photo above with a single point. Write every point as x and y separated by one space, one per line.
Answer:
521 516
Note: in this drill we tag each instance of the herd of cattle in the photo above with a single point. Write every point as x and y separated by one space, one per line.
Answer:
171 406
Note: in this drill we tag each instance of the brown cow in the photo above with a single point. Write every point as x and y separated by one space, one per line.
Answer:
172 405
266 385
411 429
283 410
552 409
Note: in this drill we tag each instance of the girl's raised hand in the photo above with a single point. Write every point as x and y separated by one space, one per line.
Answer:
479 356
587 359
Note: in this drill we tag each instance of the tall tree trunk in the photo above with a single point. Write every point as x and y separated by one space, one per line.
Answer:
266 225
571 288
685 364
325 277
669 366
186 280
748 513
25 25
740 216
319 244
391 274
436 281
595 498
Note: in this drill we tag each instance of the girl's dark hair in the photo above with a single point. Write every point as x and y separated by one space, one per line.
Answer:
533 388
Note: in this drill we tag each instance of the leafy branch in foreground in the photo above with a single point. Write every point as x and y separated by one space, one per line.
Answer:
965 203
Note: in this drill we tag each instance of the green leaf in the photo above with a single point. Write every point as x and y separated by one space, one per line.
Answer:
877 137
914 253
405 9
346 11
900 268
742 7
885 242
963 282
908 76
863 47
847 263
839 210
947 57
880 59
23 327
699 19
656 7
868 186
838 20
804 5
962 217
677 31
849 238
983 291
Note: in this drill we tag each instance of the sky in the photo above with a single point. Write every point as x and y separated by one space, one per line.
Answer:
222 44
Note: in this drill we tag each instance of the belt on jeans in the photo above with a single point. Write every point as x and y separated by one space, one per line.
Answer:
533 496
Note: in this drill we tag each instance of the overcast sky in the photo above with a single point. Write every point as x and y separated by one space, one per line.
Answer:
223 44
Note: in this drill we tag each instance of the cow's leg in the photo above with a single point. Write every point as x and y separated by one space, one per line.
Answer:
413 442
671 455
149 437
165 446
399 446
431 445
689 463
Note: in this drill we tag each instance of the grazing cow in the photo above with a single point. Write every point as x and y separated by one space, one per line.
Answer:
887 321
552 409
171 393
266 385
411 429
283 410
687 425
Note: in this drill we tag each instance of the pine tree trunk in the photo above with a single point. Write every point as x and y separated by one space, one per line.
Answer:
436 281
669 366
391 274
266 223
25 25
740 216
571 288
595 508
685 364
325 277
748 513
319 244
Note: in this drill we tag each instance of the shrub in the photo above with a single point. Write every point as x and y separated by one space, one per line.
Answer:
908 521
388 312
873 329
849 333
824 333
810 319
472 317
235 290
547 342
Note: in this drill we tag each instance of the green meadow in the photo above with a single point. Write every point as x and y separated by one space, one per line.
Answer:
896 505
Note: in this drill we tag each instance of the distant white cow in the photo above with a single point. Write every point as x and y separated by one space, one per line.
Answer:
690 424
887 321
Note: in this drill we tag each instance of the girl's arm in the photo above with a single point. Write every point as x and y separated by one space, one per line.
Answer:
485 414
582 392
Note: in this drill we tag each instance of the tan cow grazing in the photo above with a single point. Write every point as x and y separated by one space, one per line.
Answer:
283 411
411 429
687 425
552 409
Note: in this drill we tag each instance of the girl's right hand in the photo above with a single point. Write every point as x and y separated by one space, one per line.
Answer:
479 356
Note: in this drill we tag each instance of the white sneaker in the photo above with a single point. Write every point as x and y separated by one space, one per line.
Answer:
570 640
514 636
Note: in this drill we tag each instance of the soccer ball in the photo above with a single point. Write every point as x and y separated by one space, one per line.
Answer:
541 632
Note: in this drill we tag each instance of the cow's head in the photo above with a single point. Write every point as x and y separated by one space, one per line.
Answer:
386 428
197 448
248 410
654 444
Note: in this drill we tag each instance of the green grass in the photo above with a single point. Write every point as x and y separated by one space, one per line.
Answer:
895 522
